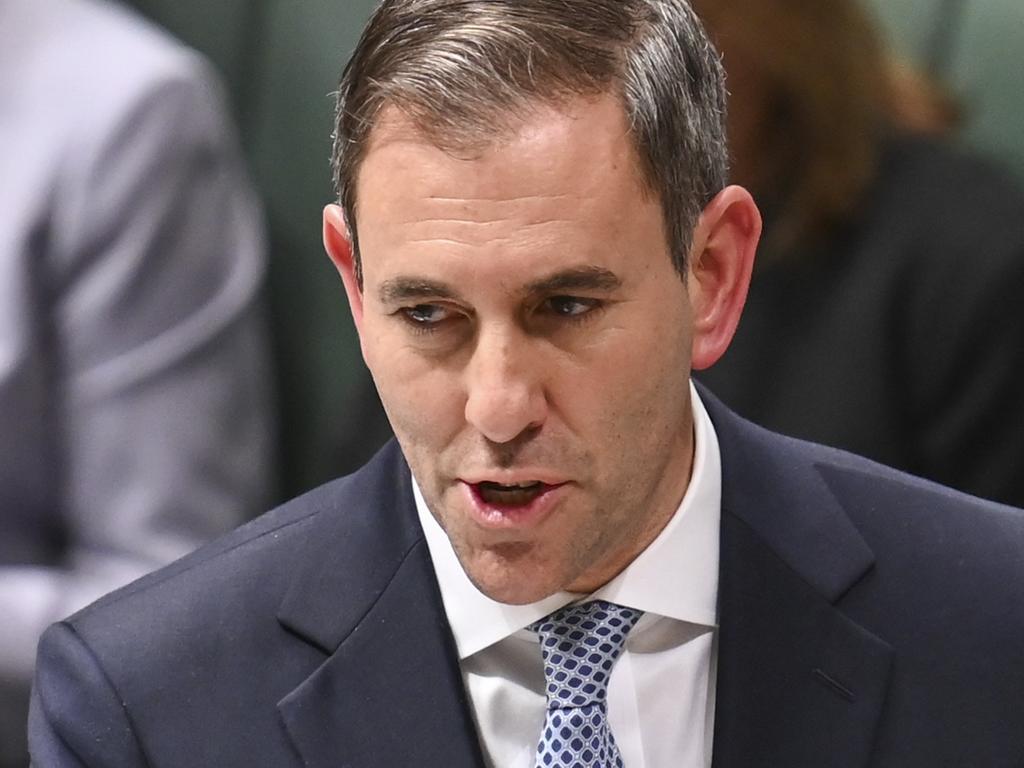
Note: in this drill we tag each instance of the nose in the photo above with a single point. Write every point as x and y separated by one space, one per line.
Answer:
505 393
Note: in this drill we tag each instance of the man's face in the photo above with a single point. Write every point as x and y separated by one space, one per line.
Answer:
530 340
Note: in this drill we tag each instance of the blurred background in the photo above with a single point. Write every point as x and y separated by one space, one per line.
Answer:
281 62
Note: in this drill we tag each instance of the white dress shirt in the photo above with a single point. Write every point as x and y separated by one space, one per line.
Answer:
661 695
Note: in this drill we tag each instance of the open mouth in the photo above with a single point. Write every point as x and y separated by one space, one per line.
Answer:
518 506
515 495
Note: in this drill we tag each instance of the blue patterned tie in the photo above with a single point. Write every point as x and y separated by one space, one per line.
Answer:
580 643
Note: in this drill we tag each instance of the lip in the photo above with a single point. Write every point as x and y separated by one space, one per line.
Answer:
515 477
498 517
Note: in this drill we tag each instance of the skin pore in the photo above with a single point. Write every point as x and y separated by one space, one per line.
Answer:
524 325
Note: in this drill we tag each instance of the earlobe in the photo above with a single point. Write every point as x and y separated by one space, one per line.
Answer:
721 263
338 243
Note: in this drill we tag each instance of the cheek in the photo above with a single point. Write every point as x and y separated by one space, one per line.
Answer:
635 367
423 401
628 398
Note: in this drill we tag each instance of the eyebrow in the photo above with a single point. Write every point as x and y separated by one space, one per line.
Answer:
589 278
576 279
401 289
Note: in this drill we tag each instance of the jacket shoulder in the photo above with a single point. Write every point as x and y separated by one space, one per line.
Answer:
242 577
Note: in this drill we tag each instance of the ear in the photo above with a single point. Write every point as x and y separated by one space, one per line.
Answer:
721 262
338 243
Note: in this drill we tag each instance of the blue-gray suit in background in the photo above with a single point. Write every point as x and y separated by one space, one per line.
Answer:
134 401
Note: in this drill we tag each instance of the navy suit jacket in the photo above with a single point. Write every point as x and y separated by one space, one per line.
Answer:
867 618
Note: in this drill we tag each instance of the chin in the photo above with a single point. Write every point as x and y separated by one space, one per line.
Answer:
514 594
512 583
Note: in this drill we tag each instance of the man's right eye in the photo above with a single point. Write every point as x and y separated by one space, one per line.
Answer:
425 317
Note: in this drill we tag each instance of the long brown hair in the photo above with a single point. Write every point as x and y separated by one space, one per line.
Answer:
828 92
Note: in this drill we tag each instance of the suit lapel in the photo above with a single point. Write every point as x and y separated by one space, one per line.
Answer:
799 683
389 691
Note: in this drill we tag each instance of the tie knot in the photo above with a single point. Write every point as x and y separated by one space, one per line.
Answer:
580 644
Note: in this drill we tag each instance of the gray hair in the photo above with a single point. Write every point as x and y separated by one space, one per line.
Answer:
466 70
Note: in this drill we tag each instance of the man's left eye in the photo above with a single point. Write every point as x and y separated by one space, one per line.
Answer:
570 306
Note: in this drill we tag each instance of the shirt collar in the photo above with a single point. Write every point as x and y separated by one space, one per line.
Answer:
675 577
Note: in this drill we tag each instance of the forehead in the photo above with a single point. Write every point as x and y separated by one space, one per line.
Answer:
558 191
575 147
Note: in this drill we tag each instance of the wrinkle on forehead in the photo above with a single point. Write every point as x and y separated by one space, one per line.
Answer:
535 210
472 219
538 229
522 198
475 220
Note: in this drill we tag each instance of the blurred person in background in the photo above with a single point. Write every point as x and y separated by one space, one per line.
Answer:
133 375
884 316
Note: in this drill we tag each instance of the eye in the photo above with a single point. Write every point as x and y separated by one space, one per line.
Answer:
425 314
571 306
425 317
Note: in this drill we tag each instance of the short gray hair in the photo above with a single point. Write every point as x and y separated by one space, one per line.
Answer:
462 70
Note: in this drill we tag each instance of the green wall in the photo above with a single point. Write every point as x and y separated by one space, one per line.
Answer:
981 64
281 60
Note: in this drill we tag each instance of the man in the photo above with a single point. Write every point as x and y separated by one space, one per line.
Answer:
538 244
131 257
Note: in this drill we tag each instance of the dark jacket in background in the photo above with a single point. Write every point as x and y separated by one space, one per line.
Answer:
901 338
